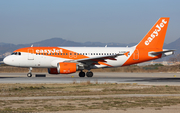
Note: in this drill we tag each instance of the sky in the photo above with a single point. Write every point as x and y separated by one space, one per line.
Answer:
122 21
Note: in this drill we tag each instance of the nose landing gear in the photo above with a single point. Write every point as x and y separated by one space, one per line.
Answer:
29 74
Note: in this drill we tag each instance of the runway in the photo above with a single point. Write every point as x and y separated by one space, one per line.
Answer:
105 77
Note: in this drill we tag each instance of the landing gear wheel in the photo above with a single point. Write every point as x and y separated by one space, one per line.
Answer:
81 74
29 74
89 74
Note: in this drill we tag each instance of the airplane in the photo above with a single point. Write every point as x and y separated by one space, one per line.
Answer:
67 60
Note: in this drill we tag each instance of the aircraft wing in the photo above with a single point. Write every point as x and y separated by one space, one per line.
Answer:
95 60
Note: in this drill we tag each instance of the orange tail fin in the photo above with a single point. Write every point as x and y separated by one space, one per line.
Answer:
155 37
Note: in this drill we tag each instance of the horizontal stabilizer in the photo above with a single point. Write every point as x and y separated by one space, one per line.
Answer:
164 53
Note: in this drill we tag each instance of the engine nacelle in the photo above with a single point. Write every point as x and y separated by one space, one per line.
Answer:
64 68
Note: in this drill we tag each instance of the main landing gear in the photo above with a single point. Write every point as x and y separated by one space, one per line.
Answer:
81 74
88 74
29 74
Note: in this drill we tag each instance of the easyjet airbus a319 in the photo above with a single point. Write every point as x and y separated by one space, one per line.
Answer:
66 60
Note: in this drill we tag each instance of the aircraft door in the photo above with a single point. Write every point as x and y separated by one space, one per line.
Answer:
31 54
136 55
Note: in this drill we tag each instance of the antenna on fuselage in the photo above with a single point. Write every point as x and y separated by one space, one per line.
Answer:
106 46
32 45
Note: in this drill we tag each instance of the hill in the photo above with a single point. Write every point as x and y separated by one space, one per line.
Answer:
174 45
7 48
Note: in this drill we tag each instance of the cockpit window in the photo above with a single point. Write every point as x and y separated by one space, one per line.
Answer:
16 53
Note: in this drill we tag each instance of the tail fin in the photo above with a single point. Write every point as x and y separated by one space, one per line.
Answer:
154 39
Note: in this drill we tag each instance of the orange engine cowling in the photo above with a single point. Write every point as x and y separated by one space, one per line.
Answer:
64 68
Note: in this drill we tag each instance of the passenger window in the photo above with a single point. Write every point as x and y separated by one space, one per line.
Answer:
66 54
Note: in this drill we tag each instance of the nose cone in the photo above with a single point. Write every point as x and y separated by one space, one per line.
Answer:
7 60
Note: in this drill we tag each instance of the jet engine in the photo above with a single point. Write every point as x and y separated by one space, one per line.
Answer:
64 68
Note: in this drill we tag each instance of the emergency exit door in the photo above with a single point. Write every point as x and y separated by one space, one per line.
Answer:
30 54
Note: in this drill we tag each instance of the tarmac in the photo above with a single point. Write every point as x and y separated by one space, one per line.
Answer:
100 77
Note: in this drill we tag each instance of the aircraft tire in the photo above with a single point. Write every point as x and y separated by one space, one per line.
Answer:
89 74
29 75
81 74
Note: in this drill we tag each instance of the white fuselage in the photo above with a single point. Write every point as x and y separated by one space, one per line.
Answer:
36 60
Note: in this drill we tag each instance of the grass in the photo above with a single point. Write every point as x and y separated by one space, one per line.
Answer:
84 88
87 104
